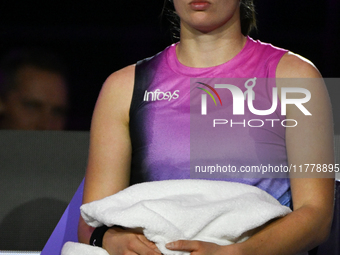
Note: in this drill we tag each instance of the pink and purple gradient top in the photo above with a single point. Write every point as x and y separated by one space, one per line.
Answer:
161 126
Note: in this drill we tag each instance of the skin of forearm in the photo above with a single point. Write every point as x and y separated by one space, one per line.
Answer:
84 232
300 230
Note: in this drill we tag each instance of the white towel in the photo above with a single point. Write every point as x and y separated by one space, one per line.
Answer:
213 211
72 248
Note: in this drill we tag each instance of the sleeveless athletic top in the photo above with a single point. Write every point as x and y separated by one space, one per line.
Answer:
160 122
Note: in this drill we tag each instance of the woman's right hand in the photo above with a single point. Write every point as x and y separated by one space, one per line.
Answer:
117 241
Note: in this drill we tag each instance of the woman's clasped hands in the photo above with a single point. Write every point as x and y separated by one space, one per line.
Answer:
119 241
203 248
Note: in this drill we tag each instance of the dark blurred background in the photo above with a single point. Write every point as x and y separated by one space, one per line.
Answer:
96 38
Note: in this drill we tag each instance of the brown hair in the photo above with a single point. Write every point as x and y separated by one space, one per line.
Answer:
248 17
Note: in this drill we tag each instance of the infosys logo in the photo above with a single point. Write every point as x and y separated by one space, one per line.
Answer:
158 95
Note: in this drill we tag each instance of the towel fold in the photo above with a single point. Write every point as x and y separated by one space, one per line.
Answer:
213 211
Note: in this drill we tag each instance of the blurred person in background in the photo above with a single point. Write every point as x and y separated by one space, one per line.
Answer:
33 91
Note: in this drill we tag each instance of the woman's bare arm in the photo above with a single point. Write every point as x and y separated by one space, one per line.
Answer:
310 142
108 169
109 159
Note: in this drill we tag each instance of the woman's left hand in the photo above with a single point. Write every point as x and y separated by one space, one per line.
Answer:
201 248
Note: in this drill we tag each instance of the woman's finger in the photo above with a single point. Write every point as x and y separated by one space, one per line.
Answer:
141 248
148 243
183 245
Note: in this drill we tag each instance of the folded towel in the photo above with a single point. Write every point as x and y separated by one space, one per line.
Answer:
213 211
72 248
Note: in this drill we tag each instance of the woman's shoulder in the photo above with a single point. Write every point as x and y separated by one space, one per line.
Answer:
120 82
123 80
116 93
289 64
121 77
293 65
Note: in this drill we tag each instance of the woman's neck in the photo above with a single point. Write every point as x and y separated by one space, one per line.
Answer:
198 49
